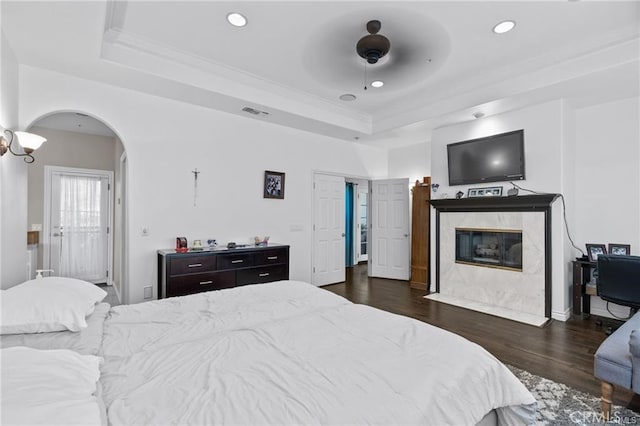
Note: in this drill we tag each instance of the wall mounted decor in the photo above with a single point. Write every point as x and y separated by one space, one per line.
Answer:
273 184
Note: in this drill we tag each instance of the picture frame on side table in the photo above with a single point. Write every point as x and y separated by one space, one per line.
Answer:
594 250
492 191
273 184
620 249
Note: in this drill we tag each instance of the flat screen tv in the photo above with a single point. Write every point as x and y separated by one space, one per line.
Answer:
490 159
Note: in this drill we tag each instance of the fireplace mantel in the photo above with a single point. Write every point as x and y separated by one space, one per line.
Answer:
519 203
540 203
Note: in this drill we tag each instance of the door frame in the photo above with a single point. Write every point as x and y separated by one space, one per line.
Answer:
123 295
46 230
358 225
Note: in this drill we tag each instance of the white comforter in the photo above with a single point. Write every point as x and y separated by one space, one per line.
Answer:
289 353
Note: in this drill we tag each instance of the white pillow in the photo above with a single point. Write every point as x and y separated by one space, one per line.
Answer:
48 304
55 387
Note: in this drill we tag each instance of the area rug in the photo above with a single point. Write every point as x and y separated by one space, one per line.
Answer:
559 404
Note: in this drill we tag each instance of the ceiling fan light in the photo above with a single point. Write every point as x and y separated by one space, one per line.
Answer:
236 19
373 46
504 27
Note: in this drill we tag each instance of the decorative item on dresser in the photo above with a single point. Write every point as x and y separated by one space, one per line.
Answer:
420 234
180 274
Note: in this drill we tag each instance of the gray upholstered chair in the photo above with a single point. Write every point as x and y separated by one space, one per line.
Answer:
617 360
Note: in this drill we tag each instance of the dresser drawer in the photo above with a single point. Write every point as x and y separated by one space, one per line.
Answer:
271 257
197 283
262 274
235 260
191 264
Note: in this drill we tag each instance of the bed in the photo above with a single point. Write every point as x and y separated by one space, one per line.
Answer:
289 353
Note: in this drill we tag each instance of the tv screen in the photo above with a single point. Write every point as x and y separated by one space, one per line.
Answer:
491 159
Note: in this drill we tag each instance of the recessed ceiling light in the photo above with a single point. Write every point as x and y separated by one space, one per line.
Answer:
504 26
237 19
377 83
348 97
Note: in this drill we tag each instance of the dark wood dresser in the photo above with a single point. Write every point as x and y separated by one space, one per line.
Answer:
204 270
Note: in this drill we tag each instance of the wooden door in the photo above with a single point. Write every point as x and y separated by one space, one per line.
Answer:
420 222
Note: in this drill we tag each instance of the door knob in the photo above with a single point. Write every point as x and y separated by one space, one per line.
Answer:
343 234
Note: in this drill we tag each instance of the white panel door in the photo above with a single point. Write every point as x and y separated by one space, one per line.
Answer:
328 229
390 243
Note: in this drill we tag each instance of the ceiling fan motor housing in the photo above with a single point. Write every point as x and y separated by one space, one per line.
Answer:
373 46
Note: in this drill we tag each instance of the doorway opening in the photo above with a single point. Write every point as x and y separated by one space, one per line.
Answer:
80 147
385 219
356 221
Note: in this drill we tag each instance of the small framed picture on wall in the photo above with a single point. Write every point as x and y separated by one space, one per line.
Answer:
273 185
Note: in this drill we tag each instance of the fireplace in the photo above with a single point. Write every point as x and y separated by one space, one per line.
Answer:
507 241
494 248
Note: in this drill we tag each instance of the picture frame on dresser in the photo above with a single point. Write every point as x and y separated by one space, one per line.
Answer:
620 249
594 250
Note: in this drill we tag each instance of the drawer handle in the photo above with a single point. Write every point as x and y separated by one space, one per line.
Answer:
266 274
237 261
272 258
195 265
206 282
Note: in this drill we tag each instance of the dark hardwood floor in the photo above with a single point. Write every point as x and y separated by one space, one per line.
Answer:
560 351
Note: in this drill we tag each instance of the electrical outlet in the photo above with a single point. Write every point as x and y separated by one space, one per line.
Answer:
148 292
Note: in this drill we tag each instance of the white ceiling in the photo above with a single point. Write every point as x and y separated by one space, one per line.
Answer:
295 58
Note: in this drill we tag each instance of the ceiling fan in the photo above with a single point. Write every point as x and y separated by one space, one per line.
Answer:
373 46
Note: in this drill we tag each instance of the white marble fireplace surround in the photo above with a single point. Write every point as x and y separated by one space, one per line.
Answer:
511 294
524 296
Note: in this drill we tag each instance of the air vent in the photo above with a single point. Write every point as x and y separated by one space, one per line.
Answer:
254 111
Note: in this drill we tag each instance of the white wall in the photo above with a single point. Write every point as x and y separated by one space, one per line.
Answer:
590 155
13 180
544 134
165 140
413 162
607 198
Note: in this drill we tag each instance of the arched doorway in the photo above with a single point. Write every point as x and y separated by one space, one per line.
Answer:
75 200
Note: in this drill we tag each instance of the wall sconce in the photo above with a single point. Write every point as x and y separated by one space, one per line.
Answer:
435 186
28 141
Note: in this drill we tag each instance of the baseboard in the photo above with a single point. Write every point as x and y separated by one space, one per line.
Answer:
562 315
